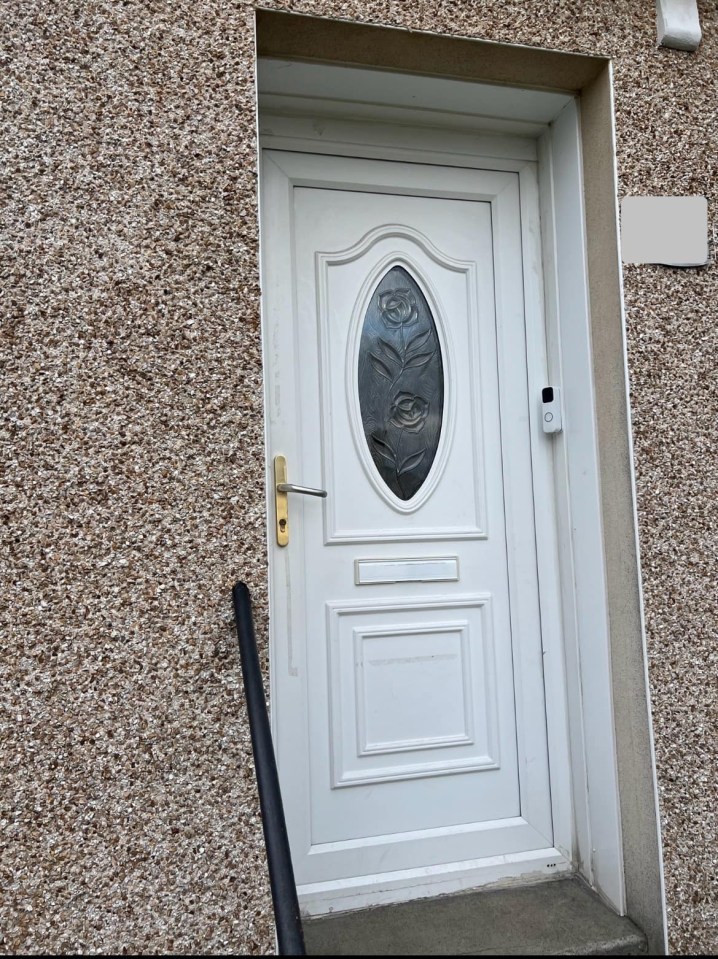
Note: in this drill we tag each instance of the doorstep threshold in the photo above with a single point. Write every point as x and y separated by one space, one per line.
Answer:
557 918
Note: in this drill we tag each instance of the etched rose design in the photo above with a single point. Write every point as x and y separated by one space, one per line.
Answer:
401 383
409 412
398 308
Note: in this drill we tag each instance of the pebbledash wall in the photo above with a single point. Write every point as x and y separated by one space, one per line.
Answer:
132 462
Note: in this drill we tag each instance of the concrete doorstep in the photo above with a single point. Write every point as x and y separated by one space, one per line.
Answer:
558 918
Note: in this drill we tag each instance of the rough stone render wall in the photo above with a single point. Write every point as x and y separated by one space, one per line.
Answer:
132 479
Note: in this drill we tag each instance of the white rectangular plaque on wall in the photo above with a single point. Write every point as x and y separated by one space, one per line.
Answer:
672 230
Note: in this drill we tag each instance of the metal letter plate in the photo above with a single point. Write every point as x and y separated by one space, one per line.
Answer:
436 569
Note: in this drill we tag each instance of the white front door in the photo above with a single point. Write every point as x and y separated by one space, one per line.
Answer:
407 687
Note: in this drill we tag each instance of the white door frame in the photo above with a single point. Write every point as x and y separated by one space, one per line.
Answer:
548 163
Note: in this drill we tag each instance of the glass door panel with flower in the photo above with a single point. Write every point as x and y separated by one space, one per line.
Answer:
401 383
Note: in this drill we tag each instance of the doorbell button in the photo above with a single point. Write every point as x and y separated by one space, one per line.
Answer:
551 409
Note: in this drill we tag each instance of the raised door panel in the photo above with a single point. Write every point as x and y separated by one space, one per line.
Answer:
348 284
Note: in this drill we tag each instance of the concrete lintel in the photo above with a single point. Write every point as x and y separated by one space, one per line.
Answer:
291 36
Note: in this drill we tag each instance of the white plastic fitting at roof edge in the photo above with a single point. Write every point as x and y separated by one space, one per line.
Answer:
678 24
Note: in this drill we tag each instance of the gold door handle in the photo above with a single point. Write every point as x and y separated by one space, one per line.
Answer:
281 490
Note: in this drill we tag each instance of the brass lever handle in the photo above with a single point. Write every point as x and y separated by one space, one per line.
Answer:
281 489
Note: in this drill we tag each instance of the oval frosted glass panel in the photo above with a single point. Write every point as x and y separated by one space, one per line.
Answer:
401 383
